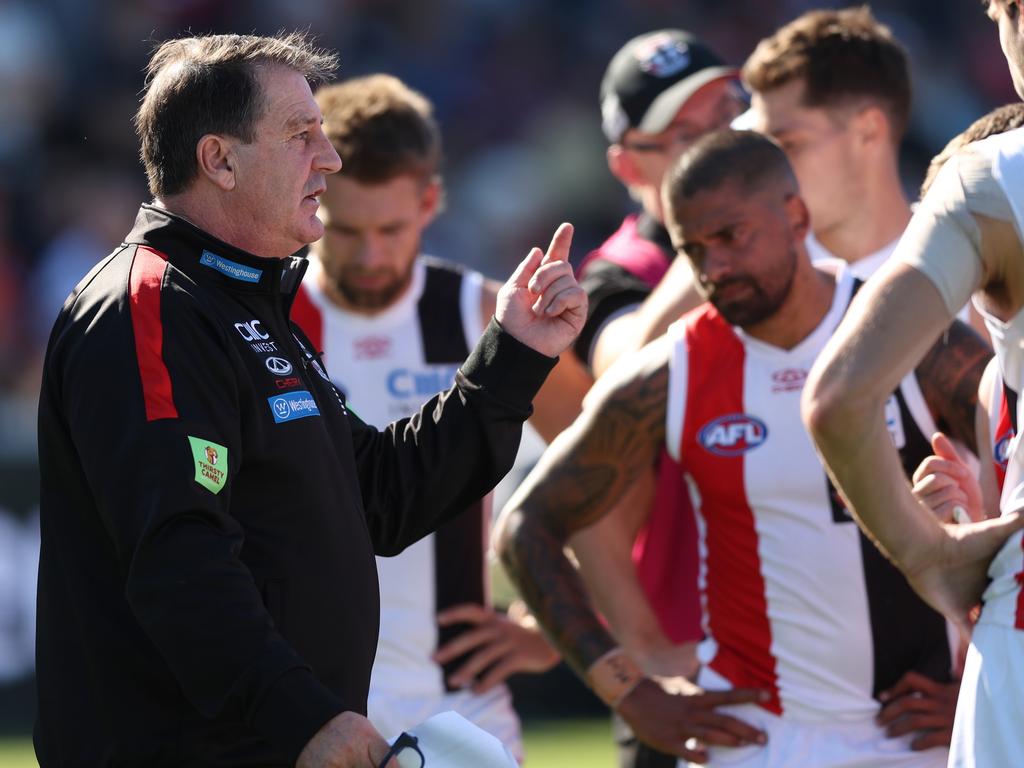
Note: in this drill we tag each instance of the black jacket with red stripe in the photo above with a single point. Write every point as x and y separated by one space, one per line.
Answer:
210 509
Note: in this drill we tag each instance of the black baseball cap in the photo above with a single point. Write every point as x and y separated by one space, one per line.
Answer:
651 77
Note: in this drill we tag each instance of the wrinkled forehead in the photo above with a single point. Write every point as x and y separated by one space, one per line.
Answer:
286 99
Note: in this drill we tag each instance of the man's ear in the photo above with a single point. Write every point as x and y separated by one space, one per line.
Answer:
871 126
622 166
430 202
215 155
798 215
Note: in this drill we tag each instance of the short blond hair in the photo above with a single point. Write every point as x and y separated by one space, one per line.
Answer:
381 129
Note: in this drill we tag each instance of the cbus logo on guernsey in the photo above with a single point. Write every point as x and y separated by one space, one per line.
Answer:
733 434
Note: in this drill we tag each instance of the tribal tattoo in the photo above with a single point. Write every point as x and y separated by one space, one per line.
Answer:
949 376
578 480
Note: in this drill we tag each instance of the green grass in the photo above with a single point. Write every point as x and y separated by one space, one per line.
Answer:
17 753
549 744
569 744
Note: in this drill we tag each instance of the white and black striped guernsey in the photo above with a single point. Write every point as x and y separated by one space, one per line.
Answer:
796 600
387 365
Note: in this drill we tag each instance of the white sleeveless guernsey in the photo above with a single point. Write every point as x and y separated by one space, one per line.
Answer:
796 600
387 365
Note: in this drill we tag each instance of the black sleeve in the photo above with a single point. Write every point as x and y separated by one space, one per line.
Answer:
176 541
610 289
419 472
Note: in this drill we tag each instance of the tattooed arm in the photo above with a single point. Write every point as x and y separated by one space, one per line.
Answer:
582 475
949 376
584 472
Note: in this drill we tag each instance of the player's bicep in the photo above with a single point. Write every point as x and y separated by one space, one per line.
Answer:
891 324
943 239
591 465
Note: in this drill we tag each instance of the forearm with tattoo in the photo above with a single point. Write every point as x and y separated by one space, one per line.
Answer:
577 481
949 376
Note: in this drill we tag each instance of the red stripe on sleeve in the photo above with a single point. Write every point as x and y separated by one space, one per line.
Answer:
735 598
144 283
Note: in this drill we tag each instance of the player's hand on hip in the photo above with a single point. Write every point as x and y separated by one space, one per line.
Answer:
348 740
947 486
921 706
499 647
541 304
683 725
670 661
952 573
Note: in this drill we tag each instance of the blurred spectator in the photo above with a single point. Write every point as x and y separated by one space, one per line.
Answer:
30 70
19 560
94 204
14 346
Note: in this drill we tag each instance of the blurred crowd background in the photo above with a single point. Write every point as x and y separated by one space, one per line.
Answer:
515 86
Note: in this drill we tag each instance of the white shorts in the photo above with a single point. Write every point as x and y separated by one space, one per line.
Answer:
860 744
394 712
989 726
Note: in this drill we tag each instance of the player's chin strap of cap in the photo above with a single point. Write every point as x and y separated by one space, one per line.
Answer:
613 677
403 742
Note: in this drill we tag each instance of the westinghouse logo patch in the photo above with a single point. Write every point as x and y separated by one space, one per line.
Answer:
211 462
230 268
293 405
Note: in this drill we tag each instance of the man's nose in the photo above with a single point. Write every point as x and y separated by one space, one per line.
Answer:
371 252
717 265
327 159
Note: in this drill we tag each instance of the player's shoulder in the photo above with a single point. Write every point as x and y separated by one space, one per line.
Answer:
643 373
700 324
1006 143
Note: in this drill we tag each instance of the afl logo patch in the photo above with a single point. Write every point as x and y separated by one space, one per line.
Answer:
1001 450
732 435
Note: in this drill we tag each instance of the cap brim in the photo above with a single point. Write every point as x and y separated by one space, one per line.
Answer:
663 109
